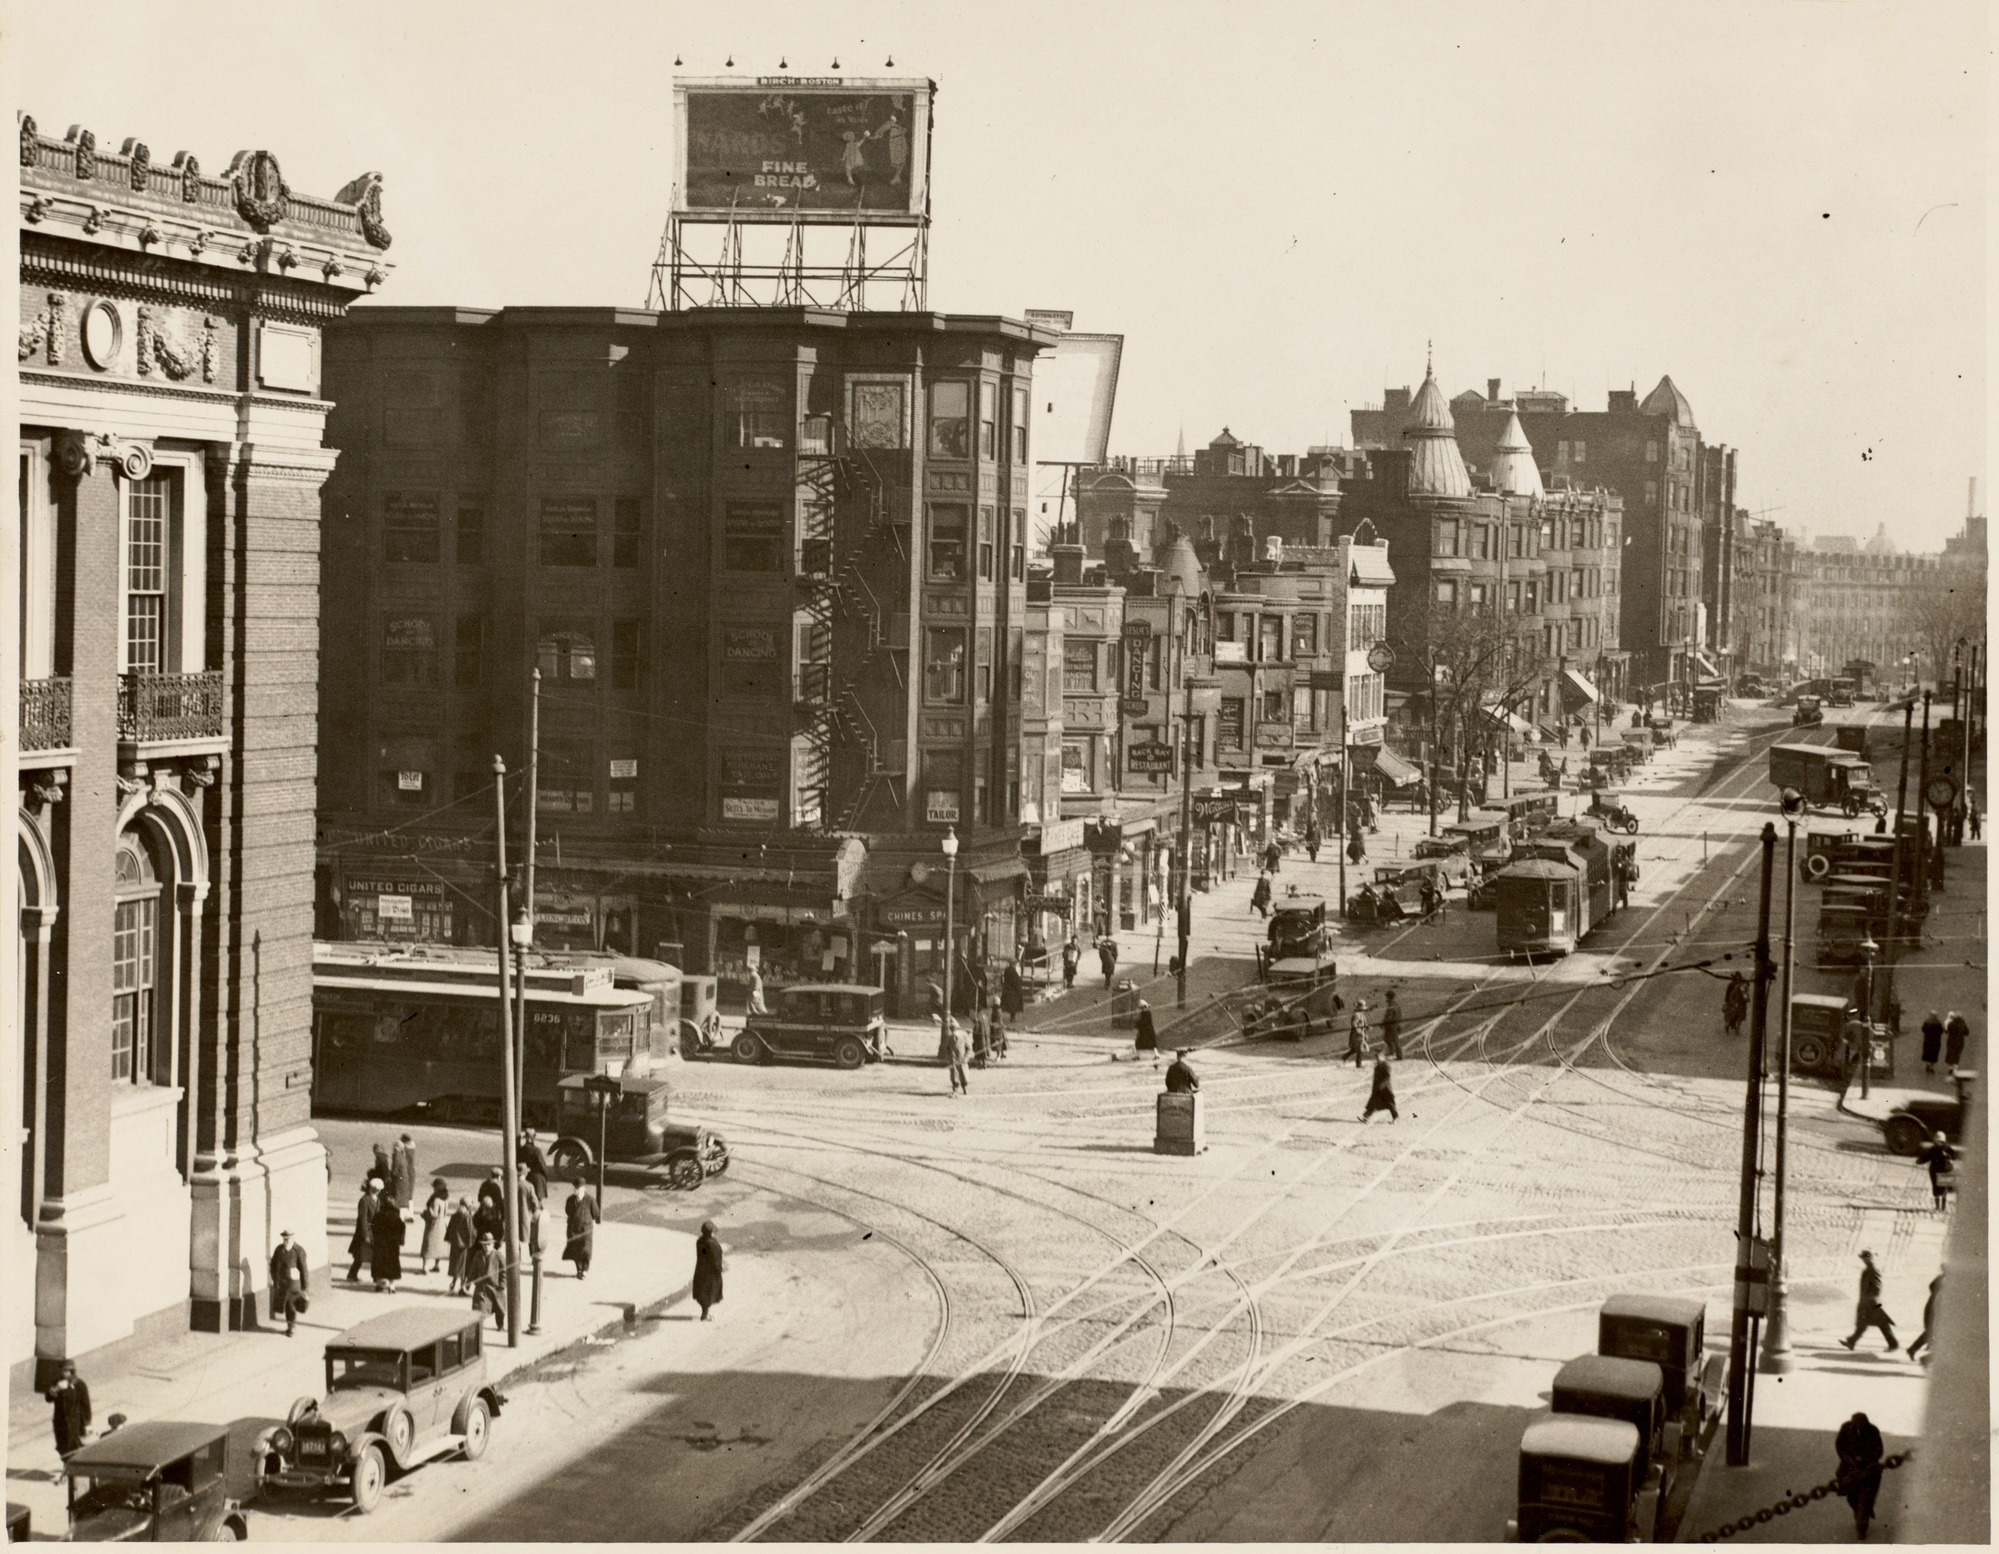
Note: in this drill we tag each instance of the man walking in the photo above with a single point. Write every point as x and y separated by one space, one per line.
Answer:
71 1401
288 1281
361 1245
1107 957
954 1040
1357 1033
1391 1025
1860 1451
1868 1312
1381 1098
1273 855
1072 957
1735 1003
1922 1339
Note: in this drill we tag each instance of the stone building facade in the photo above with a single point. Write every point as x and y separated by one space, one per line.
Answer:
171 455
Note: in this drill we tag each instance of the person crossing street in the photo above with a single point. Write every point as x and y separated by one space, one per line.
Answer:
1357 1033
1868 1311
1381 1096
1391 1025
1735 1003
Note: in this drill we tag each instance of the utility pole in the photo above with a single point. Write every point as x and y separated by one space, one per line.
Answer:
1742 1333
1921 891
527 875
1777 1358
510 1122
1183 897
1895 913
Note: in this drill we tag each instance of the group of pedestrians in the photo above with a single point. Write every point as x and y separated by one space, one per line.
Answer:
1944 1036
1381 1091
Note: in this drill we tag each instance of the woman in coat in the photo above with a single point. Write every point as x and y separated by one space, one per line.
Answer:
402 1172
1259 898
436 1218
460 1237
1147 1037
361 1245
386 1261
1932 1041
485 1272
580 1218
707 1269
1013 993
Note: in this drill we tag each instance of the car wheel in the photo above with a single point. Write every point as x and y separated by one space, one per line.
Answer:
1810 1054
1817 866
569 1159
478 1428
370 1474
747 1049
1850 809
684 1172
399 1429
1905 1135
1631 826
849 1053
690 1040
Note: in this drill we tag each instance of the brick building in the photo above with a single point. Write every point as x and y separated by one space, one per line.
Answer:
171 455
771 564
1856 602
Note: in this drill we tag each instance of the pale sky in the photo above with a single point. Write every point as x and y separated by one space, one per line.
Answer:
1782 205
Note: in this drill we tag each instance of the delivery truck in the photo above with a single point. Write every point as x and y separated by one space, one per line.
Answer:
1828 778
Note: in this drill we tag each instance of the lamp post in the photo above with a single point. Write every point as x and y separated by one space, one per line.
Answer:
1777 1357
521 932
950 847
1868 951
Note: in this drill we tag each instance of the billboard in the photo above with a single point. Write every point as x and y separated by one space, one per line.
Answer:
1075 390
823 148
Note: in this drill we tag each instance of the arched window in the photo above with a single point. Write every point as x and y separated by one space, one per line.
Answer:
134 960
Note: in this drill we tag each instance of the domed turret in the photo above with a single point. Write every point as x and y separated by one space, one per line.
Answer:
1436 467
1514 472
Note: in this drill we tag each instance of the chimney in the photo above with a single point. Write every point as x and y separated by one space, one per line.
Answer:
1120 557
1394 400
1625 400
1273 549
1491 390
1068 561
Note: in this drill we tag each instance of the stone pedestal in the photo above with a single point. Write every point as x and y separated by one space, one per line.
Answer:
1179 1128
240 1206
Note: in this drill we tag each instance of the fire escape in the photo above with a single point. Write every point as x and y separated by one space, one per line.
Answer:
846 538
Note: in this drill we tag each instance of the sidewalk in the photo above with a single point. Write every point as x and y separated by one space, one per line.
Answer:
220 1377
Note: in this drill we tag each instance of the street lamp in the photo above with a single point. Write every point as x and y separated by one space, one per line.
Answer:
521 933
1868 951
1776 1328
950 846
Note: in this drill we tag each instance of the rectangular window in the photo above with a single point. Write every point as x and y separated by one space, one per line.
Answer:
1447 591
988 420
134 927
1019 424
622 798
1481 542
1017 551
1016 651
1651 493
569 531
1562 449
1303 712
469 651
1228 725
1651 452
1305 635
948 522
1516 544
1447 537
1156 665
950 420
406 787
1273 707
148 511
409 527
1531 599
1478 597
1079 765
625 654
1513 598
471 549
1270 639
944 665
625 532
1576 582
751 664
565 783
985 544
1225 625
1581 449
409 651
984 665
567 651
1079 667
753 537
759 412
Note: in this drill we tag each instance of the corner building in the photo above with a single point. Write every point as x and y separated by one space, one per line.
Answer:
170 464
771 564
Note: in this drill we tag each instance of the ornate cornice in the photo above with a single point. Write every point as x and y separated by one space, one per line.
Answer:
51 260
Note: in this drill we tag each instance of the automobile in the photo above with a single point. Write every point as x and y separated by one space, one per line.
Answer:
1670 1331
1637 744
1451 853
1609 764
1918 1118
838 1022
401 1389
1810 713
1616 1387
1297 930
1611 809
1302 999
1851 736
1840 694
1397 891
160 1481
1821 849
634 1129
1528 812
1580 1482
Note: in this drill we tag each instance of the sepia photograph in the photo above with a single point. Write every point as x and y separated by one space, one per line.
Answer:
760 748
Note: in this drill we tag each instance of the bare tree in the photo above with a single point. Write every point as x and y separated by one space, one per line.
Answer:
1466 658
1937 616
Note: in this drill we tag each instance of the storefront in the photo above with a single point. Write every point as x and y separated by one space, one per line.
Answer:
783 943
418 909
1061 898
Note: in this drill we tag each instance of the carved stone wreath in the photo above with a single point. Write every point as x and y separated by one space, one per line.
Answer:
175 358
260 189
365 195
30 137
86 151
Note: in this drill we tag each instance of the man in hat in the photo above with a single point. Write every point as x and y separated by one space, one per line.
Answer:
1357 1033
1391 1025
362 1243
1868 1312
1860 1449
1147 1037
1180 1078
71 1401
288 1281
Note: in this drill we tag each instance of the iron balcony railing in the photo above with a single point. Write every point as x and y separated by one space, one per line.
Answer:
156 708
45 708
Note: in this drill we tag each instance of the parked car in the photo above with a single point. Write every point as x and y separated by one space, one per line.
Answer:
1919 1118
1611 809
634 1131
1451 853
1671 1332
401 1389
838 1022
162 1481
1581 1482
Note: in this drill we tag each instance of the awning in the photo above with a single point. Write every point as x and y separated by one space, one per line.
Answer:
1511 720
1398 771
1576 683
1000 873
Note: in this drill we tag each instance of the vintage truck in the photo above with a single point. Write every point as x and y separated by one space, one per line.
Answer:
1828 778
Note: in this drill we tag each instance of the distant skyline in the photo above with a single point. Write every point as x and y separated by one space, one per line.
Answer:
1783 205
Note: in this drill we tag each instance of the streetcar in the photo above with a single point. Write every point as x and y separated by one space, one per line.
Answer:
404 1030
1560 886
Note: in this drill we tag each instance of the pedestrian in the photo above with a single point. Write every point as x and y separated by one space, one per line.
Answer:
1381 1098
1971 817
361 1245
402 1172
1357 1033
1858 1481
1940 1158
1273 855
1259 898
996 1015
1147 1038
490 1218
1585 738
1433 901
755 1004
485 1276
1932 1041
1107 957
982 1037
1956 1031
382 1166
1072 957
288 1281
70 1398
1312 840
1881 824
1356 849
1367 812
490 1190
1735 1003
1013 991
435 1250
707 1269
957 1050
1391 1025
1180 1078
1869 1312
385 1261
1922 1339
460 1236
536 1163
579 1222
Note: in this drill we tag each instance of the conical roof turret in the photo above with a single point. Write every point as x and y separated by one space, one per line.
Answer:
1182 566
1514 472
1436 467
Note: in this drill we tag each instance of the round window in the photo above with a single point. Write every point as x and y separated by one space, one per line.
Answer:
103 332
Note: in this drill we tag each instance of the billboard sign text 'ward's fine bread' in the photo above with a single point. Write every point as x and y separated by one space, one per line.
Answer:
780 145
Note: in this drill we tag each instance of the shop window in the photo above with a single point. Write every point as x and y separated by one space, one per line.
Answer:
1079 766
988 420
568 531
984 665
134 963
1020 424
985 544
753 537
759 414
948 522
944 665
1304 636
1079 667
409 651
625 654
567 652
409 526
469 651
625 532
471 547
950 420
